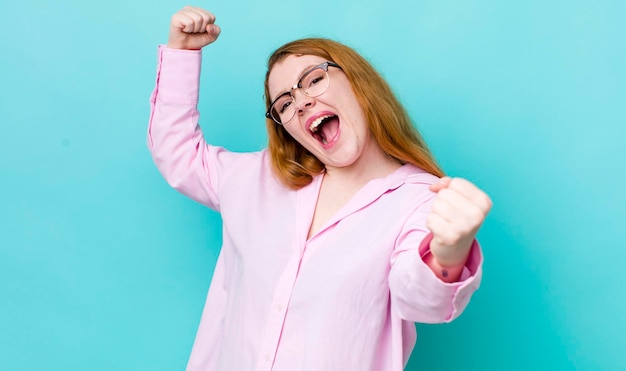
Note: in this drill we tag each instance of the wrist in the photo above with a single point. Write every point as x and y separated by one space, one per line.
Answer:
451 255
450 262
447 272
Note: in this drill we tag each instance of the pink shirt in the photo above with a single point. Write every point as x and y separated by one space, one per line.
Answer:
344 299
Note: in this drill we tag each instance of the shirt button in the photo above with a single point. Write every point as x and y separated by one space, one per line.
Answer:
267 357
279 307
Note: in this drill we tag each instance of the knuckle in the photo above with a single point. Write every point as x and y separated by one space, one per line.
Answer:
445 194
456 182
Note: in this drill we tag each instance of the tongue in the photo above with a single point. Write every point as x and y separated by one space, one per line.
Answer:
329 130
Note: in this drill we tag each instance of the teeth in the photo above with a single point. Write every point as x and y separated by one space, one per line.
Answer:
317 122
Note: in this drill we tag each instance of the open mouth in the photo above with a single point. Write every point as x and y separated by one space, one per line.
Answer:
325 128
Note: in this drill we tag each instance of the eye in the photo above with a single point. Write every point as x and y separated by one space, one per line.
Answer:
317 79
284 105
314 78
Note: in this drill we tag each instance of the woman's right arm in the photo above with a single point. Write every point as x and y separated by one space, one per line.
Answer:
174 138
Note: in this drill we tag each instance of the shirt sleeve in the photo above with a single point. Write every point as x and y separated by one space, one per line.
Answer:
417 294
175 139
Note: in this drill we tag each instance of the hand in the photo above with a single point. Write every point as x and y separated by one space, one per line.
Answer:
192 28
457 213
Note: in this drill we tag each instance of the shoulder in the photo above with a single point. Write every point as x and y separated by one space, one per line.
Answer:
412 176
409 187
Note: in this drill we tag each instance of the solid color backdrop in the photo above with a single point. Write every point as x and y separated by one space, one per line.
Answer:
104 267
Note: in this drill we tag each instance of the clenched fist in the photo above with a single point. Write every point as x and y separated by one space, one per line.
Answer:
457 213
192 28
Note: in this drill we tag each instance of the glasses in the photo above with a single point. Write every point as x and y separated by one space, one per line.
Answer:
313 83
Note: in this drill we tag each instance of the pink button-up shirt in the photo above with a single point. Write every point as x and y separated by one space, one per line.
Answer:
344 299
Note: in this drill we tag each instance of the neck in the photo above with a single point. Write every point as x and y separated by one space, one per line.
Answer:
372 164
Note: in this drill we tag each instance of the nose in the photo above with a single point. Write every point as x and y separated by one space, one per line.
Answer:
302 101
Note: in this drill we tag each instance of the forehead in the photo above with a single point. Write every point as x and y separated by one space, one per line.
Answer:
286 73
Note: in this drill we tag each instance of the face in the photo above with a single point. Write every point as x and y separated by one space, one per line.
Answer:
332 126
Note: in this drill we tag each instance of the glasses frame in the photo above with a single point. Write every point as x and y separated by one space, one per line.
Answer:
323 66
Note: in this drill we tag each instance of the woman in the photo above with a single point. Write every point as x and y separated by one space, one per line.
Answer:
339 236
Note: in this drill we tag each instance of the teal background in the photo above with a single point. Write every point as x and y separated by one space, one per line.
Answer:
104 267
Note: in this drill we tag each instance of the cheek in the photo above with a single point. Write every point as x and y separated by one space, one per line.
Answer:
348 102
355 113
295 132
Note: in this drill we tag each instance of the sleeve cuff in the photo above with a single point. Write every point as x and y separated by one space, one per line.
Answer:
420 296
472 264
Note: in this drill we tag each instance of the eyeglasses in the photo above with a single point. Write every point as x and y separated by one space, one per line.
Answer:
313 83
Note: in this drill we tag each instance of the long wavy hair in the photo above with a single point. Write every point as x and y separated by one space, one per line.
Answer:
387 119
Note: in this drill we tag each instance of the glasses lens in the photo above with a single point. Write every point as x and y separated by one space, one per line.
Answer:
283 109
315 82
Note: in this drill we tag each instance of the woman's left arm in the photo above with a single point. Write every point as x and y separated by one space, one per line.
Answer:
437 262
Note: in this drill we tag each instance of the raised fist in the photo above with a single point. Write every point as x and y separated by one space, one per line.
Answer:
192 28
